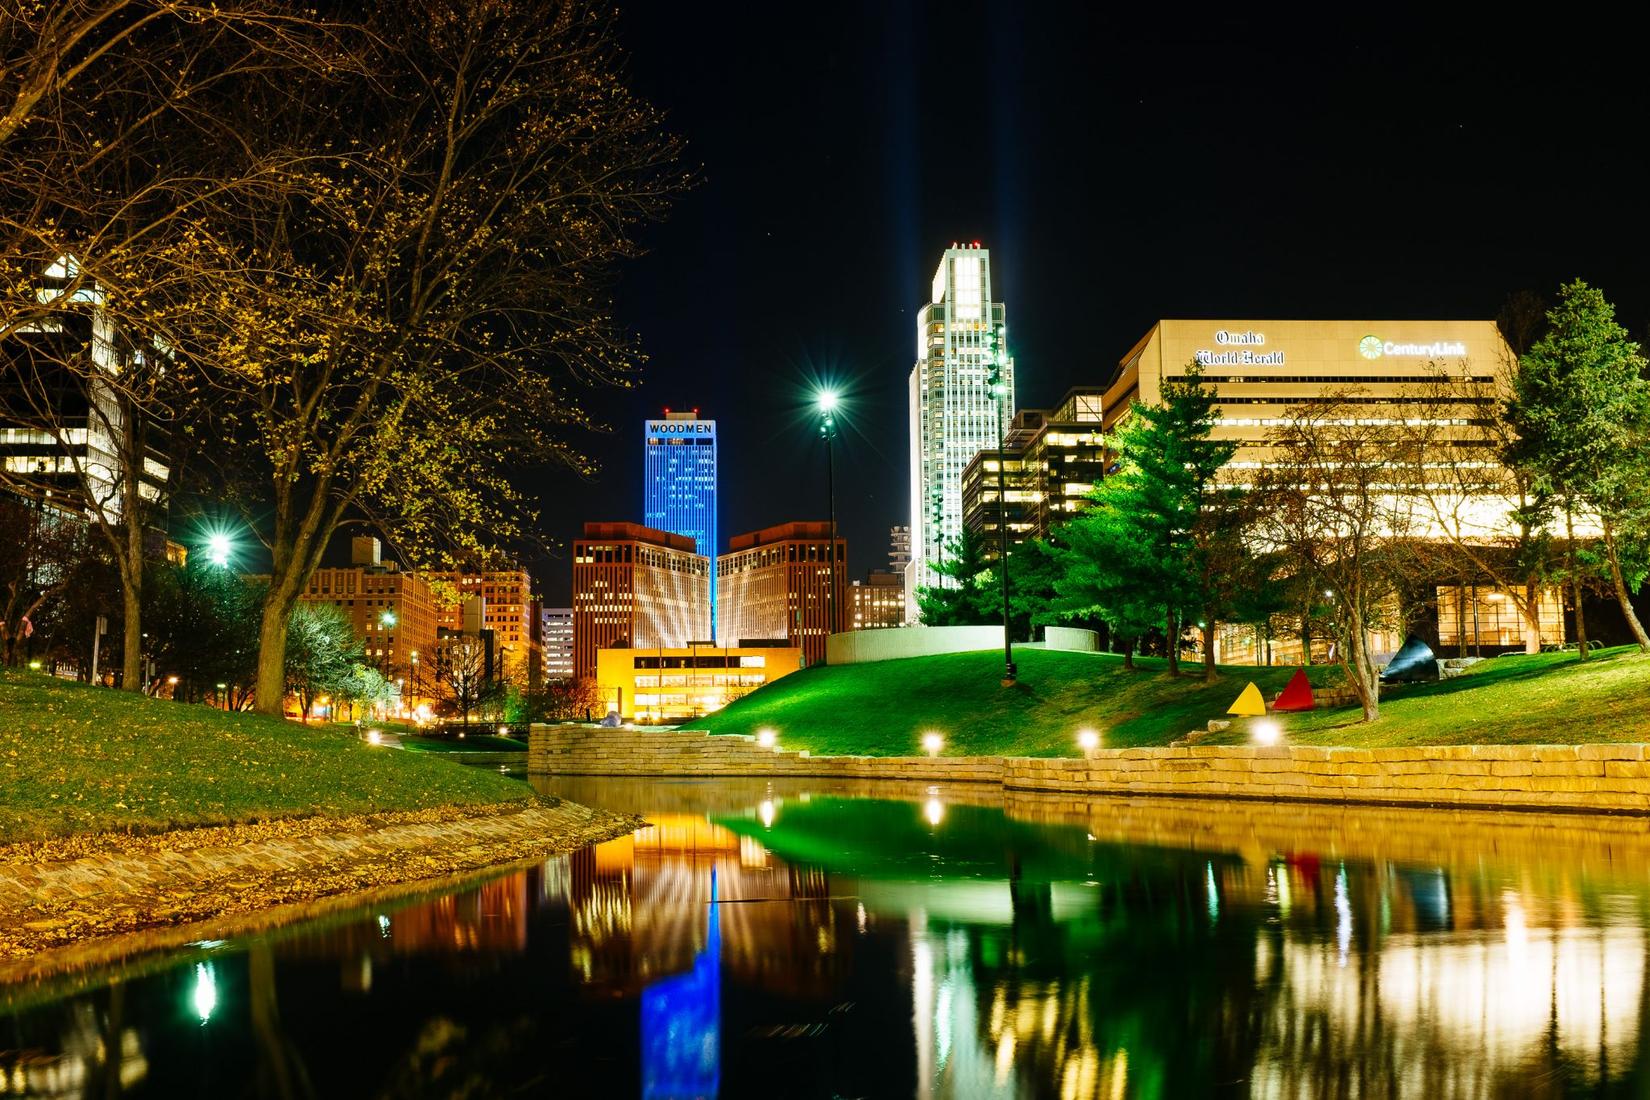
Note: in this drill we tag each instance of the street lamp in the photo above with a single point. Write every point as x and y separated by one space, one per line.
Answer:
827 432
999 393
219 549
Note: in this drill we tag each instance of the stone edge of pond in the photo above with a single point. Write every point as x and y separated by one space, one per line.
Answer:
224 881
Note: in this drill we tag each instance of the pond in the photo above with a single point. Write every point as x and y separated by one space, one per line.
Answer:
806 938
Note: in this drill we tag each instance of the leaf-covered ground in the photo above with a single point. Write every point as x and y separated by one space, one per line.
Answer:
883 709
79 759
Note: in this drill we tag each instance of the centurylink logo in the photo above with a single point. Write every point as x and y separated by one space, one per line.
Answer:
1370 347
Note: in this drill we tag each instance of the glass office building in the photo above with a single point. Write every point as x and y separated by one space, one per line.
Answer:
679 484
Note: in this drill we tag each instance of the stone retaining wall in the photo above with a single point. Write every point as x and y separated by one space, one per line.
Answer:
1607 778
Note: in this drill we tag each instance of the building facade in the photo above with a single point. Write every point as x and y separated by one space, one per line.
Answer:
506 609
776 584
1051 460
878 601
961 395
636 587
557 634
393 610
671 685
679 484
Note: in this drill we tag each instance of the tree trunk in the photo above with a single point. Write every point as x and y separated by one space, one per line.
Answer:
1306 633
1575 582
1619 583
131 652
1171 625
1359 666
1209 673
270 689
1128 654
1532 616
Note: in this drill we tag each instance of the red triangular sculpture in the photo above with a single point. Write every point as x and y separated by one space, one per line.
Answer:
1296 696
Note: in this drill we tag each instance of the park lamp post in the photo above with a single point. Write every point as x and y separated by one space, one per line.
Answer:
827 430
999 394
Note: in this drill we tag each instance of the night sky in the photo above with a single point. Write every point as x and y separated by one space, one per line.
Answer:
1121 168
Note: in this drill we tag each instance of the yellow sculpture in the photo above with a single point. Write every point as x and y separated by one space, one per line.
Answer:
1250 704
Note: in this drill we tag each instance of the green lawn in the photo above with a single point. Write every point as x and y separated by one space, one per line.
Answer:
883 708
474 742
79 759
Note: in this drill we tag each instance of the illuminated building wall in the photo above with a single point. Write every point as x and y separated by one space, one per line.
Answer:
636 587
366 591
961 339
670 684
679 485
557 633
507 608
1052 459
776 584
878 601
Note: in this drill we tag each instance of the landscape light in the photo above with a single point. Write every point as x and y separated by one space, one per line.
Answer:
1266 732
34 666
504 731
1088 741
765 738
374 737
932 743
172 680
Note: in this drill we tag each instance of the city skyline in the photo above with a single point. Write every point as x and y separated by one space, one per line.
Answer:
1188 176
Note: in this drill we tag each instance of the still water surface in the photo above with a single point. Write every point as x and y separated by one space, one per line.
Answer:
819 940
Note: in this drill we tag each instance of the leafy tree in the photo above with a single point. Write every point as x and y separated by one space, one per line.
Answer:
1166 522
970 599
1581 410
1033 569
573 699
42 551
202 622
322 652
421 306
1104 574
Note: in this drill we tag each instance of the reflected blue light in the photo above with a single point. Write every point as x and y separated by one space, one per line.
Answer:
682 1021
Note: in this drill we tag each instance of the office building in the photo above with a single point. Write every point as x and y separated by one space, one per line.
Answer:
776 583
65 434
899 548
679 484
878 601
636 587
961 398
1051 458
556 632
1386 371
675 684
506 609
393 610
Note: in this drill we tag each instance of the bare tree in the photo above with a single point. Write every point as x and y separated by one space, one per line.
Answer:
1338 501
1493 521
40 547
461 671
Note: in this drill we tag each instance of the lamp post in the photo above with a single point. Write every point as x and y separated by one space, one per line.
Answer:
827 431
998 392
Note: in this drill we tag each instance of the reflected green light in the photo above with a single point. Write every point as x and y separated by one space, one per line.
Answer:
206 991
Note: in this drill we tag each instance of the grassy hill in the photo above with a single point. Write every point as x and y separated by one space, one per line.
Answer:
79 759
883 708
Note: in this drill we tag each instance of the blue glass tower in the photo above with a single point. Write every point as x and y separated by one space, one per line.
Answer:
679 484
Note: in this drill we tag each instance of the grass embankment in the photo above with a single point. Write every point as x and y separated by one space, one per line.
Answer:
475 742
883 708
78 759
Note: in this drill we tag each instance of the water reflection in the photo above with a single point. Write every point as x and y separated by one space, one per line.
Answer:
804 940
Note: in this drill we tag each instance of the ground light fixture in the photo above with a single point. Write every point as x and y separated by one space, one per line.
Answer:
34 666
1088 741
1265 732
766 738
374 737
932 743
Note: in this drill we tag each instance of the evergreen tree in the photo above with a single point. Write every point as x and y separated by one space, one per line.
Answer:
1581 410
965 595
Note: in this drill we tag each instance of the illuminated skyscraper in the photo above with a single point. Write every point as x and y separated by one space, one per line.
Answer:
961 349
679 484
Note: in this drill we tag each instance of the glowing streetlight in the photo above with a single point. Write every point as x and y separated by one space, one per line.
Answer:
220 548
932 743
387 619
827 402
